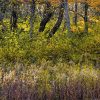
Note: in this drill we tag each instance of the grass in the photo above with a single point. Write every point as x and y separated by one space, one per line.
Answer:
46 81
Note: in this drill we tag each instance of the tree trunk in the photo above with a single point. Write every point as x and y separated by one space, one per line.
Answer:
46 18
14 17
58 23
86 17
67 18
75 17
32 9
2 14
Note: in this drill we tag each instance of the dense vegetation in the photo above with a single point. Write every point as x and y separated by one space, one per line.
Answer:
49 50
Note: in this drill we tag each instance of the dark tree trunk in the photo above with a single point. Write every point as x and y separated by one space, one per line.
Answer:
32 17
58 23
86 17
14 17
75 17
46 18
3 8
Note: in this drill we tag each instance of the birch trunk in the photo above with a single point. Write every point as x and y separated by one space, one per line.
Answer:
67 18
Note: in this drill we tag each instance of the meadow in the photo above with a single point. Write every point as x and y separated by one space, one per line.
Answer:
63 67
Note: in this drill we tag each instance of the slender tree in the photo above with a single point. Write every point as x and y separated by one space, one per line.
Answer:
46 17
14 16
58 23
2 13
75 17
32 16
86 16
67 18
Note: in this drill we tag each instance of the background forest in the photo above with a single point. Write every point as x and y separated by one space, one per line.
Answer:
49 50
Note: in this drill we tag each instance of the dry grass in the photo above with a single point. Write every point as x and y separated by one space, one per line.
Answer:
50 82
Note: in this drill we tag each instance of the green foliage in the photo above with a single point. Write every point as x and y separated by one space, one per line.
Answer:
17 47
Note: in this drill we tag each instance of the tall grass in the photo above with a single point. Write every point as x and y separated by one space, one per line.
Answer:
46 81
